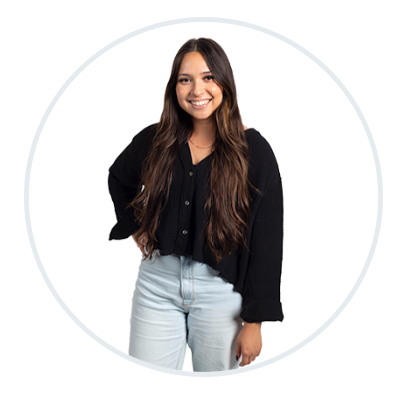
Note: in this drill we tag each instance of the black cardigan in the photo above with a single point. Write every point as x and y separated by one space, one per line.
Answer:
255 273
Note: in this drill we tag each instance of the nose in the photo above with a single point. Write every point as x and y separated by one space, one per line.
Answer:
198 88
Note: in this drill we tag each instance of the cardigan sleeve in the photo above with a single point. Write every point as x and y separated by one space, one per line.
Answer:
124 182
261 297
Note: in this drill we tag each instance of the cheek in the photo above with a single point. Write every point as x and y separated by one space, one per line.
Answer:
179 93
216 93
180 99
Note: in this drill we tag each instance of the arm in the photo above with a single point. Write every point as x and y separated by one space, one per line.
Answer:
261 297
124 182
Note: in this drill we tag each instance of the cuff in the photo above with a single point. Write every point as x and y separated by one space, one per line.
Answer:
260 311
124 228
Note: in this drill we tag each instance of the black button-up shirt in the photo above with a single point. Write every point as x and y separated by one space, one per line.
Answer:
255 273
190 190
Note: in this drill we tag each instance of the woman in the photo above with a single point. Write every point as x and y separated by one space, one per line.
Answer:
201 195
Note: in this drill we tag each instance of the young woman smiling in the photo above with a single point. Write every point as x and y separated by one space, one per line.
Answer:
209 221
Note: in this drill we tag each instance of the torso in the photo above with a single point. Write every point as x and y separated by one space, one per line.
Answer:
197 154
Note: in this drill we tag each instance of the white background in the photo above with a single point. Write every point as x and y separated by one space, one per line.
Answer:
363 350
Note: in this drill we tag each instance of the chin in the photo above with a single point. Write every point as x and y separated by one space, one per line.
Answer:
202 116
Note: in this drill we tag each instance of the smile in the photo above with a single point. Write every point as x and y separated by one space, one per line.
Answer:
200 104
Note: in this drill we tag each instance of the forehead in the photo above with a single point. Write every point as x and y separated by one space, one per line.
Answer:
193 62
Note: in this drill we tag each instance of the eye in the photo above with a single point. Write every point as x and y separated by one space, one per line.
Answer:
182 80
210 77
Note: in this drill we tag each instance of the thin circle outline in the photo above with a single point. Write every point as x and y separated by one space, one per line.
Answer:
249 26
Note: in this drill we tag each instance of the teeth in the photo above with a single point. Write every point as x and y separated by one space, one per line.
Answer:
200 103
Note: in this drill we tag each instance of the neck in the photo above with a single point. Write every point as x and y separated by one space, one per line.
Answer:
203 132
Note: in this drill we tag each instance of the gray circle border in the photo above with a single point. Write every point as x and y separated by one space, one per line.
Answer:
253 366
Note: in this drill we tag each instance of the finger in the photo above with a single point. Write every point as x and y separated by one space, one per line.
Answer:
248 360
244 361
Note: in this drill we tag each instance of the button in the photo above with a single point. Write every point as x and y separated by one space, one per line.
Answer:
185 231
190 173
187 202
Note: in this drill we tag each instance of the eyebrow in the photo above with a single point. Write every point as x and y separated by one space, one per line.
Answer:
186 74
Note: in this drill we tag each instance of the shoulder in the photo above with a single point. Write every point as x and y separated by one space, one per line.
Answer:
261 155
137 150
260 149
143 140
146 134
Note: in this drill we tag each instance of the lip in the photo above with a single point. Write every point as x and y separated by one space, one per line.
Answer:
199 100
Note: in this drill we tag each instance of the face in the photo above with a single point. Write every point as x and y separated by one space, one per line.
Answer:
195 83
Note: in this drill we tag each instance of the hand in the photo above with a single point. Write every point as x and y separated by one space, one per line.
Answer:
141 243
249 343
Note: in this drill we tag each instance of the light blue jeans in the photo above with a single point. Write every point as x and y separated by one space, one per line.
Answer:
178 301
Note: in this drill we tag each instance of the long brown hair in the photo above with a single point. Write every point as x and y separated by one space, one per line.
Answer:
228 206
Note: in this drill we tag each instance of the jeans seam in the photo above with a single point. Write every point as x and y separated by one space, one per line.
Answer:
181 279
192 281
